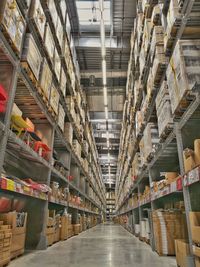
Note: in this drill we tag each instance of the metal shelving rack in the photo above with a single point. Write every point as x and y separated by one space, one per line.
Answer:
14 151
169 153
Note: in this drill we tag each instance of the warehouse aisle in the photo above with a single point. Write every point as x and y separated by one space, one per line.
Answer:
102 246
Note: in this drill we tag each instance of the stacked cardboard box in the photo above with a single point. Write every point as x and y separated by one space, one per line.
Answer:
192 157
31 55
64 227
17 222
183 72
68 132
182 251
5 243
168 226
61 117
50 228
163 109
45 79
77 148
9 14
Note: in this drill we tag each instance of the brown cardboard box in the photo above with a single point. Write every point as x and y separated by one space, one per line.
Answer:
50 231
171 176
195 226
197 151
18 233
196 251
182 250
197 261
76 228
189 160
64 228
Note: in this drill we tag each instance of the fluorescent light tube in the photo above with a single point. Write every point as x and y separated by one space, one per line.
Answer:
105 96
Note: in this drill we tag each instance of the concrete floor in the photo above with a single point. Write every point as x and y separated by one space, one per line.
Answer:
102 246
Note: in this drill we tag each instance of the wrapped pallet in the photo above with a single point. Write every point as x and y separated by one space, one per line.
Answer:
61 117
53 11
150 140
68 132
54 98
36 13
63 81
57 64
45 79
77 148
13 22
49 43
59 32
183 72
31 55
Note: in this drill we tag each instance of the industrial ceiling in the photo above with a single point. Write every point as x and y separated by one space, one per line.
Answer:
118 20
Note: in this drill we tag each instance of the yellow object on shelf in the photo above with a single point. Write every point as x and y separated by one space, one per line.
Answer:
18 124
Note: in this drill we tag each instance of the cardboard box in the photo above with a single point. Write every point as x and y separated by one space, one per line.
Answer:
196 251
46 79
171 176
68 132
32 55
197 151
9 15
195 226
18 233
182 251
197 261
189 160
54 98
36 13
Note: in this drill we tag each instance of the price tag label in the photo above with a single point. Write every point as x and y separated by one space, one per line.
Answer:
10 185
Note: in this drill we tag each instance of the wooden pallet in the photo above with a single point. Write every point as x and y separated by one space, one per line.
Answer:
10 41
5 262
183 104
29 72
166 131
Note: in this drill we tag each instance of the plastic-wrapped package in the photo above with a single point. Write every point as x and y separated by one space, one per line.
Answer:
183 71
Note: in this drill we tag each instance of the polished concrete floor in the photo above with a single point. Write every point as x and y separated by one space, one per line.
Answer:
101 246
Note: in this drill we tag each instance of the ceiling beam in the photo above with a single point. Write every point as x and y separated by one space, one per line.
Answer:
115 43
98 74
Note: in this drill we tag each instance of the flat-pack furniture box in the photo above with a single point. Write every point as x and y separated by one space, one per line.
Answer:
49 43
36 13
5 243
18 222
183 72
13 22
31 55
45 79
68 132
182 251
61 117
195 226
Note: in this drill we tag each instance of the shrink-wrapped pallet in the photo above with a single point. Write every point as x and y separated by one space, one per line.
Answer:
12 22
49 43
165 119
136 166
57 64
59 32
45 79
162 94
61 117
77 148
183 71
54 98
32 55
63 81
36 13
150 140
53 11
68 132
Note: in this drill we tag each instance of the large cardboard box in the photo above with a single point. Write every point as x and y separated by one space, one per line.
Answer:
197 261
182 251
195 226
196 251
18 232
189 160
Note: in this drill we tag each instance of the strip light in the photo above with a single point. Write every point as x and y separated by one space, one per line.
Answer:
104 77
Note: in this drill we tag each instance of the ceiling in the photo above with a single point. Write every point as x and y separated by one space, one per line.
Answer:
119 18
